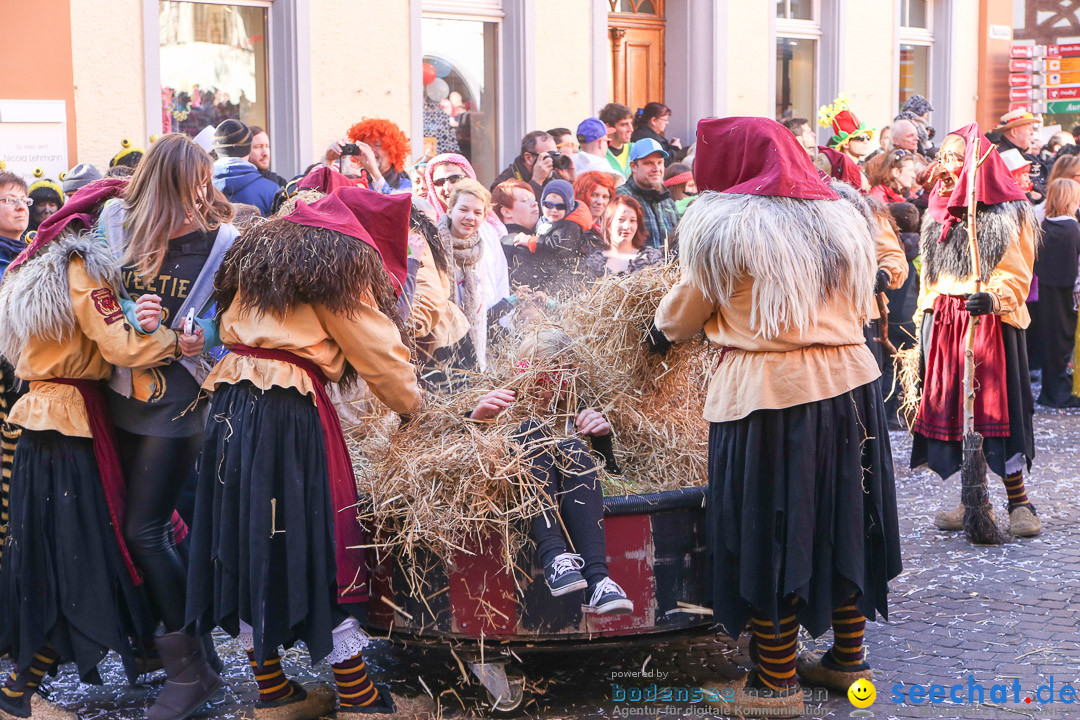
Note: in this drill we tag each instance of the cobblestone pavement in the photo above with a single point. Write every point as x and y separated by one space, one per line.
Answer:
1001 614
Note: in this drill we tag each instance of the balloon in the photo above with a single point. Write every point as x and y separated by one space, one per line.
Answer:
442 68
437 90
429 73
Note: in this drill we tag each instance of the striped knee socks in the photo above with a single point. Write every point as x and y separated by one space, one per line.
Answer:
776 652
27 681
1014 486
354 687
848 628
273 685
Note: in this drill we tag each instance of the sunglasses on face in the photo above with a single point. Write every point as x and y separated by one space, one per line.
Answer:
555 206
452 179
861 138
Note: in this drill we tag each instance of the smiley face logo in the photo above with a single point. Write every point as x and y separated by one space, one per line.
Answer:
862 693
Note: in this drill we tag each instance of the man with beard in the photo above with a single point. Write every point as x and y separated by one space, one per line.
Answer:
646 185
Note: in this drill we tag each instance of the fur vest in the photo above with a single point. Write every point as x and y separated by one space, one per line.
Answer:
35 300
996 227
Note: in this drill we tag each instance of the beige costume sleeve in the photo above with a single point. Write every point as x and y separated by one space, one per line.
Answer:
372 344
102 320
683 312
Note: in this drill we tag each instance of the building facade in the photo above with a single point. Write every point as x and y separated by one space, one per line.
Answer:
475 74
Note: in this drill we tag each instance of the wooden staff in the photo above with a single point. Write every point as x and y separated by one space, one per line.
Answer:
979 525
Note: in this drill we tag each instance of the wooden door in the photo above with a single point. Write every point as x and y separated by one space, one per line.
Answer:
636 30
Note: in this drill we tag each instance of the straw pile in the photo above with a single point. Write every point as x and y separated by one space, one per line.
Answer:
444 483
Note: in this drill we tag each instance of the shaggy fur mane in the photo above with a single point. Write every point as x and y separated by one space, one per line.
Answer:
277 265
997 226
35 300
799 252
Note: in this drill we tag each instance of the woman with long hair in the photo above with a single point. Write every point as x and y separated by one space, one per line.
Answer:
891 176
170 230
595 189
625 241
651 121
1056 268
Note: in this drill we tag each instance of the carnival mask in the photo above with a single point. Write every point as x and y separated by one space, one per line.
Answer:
949 166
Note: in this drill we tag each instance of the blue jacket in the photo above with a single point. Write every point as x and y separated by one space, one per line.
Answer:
9 250
243 183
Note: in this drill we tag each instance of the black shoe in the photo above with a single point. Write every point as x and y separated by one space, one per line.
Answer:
384 705
607 598
563 574
189 680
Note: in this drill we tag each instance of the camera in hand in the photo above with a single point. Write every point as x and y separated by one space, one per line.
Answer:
350 149
560 161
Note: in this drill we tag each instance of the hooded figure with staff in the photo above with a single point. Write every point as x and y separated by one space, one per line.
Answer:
978 246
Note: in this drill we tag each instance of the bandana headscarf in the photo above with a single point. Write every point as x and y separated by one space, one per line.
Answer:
994 183
444 159
756 156
437 202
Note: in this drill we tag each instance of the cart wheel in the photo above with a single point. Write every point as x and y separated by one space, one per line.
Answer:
505 691
508 707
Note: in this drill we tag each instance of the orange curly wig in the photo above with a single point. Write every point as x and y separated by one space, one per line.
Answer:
388 134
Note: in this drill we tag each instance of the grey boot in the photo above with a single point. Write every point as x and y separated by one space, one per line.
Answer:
189 679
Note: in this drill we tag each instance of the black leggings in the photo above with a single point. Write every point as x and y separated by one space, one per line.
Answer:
156 470
575 500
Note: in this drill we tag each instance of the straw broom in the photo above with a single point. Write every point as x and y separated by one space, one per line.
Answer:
979 526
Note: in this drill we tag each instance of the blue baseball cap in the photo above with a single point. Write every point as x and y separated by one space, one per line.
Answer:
645 147
591 129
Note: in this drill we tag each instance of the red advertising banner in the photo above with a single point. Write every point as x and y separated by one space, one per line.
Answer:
1020 80
1055 51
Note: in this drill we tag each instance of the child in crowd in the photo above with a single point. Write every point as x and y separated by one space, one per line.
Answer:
574 519
553 260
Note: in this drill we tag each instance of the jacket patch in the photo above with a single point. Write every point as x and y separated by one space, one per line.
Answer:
106 305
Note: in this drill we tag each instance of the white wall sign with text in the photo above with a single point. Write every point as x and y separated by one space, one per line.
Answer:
33 134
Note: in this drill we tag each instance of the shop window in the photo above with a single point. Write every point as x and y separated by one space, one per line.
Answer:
213 65
916 48
796 77
460 95
914 71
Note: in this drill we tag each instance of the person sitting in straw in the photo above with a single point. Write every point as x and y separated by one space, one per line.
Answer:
561 463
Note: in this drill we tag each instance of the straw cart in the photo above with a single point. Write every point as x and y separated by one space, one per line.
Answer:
491 620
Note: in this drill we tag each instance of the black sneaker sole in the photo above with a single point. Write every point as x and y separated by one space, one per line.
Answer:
566 589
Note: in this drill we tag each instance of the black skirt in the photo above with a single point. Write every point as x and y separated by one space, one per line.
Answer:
802 507
262 542
945 458
64 581
1057 339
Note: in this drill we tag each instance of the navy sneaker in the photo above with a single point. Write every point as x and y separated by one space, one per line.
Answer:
608 599
563 574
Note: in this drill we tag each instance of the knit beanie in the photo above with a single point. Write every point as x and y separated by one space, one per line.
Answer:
918 105
76 177
232 139
563 189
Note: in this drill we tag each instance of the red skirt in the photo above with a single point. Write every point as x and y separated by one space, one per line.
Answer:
941 408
